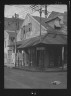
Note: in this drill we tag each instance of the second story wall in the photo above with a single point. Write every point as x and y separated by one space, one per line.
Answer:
31 28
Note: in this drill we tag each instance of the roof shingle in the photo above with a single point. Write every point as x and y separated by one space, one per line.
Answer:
43 20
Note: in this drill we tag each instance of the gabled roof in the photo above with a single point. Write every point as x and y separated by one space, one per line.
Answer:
10 25
59 39
54 15
43 20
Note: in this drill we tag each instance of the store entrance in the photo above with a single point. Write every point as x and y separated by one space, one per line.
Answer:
40 58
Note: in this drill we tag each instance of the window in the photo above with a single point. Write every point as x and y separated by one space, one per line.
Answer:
12 39
30 27
23 31
57 24
57 27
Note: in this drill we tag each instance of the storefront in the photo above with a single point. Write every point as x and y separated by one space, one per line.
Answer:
45 54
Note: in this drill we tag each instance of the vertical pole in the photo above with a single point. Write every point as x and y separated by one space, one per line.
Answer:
40 21
15 44
40 31
36 57
45 11
62 56
15 38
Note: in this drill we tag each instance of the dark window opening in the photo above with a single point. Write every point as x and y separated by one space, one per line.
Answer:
57 27
30 27
12 39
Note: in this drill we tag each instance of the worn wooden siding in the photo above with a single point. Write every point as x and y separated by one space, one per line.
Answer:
35 27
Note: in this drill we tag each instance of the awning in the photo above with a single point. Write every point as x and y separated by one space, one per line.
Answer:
49 39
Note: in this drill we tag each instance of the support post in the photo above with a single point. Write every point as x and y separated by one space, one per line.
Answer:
62 57
17 27
40 21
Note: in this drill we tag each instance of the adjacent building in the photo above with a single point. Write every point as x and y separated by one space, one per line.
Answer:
9 38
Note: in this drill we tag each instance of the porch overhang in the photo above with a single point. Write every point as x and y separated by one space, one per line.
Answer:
59 39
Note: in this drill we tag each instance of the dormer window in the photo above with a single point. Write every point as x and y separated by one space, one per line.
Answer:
57 27
61 19
57 24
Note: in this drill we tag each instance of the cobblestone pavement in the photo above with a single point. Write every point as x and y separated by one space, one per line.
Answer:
15 78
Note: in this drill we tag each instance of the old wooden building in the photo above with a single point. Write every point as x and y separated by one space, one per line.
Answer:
47 50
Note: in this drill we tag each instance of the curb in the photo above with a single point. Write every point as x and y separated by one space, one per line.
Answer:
39 70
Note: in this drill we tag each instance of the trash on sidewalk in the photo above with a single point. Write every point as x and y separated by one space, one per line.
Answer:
56 82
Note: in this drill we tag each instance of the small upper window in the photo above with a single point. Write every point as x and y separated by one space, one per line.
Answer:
57 24
57 27
30 27
23 31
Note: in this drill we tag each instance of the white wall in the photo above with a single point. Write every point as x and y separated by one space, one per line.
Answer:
35 27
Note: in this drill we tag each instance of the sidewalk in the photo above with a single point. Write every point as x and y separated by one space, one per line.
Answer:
9 65
35 69
41 70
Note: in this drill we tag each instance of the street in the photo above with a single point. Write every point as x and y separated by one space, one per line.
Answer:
20 79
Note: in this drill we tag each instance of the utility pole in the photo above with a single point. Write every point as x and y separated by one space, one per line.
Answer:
40 21
62 57
45 11
16 37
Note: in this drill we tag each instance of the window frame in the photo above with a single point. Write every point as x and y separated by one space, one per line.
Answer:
30 26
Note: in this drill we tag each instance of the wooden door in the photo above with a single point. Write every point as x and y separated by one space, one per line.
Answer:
46 58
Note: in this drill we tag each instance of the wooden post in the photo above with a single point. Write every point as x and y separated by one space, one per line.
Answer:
40 21
62 57
16 35
18 58
36 56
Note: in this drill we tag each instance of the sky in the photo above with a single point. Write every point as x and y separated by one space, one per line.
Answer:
22 10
